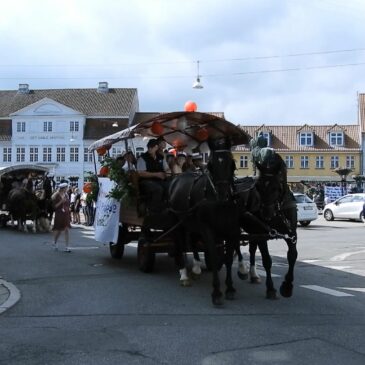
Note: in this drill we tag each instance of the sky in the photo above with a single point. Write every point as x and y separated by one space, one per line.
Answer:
284 62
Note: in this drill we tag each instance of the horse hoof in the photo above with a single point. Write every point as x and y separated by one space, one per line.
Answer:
242 276
195 276
286 289
185 283
271 294
255 280
217 301
230 295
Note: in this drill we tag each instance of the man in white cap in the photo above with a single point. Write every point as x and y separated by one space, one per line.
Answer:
197 159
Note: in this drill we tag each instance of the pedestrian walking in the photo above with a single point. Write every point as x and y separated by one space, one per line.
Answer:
61 205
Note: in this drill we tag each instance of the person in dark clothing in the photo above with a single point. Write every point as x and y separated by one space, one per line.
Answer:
152 176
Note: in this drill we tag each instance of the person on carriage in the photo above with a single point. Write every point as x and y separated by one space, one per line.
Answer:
152 176
180 161
197 161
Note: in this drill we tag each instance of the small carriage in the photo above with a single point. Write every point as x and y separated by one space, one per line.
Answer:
183 131
16 176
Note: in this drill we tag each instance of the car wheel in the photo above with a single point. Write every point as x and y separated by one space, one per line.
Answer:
362 217
304 223
328 215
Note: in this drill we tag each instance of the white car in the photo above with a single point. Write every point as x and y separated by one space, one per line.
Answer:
347 207
307 209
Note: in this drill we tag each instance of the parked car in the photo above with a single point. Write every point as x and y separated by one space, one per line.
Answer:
307 209
347 207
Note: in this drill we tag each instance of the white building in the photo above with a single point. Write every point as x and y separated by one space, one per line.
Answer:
55 127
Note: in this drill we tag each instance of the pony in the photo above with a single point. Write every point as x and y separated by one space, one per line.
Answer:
203 205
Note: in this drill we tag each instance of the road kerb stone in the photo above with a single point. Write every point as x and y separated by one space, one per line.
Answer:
10 293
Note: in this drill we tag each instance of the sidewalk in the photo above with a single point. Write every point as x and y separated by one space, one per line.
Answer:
9 295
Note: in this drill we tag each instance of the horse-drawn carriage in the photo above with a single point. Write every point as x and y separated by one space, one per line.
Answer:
208 210
18 193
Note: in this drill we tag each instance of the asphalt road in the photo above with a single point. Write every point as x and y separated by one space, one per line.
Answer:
86 308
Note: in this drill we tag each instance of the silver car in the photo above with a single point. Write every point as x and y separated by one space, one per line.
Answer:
347 207
307 209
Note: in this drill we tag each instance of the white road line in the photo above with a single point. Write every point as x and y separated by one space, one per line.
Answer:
343 256
362 290
263 273
324 290
310 261
83 248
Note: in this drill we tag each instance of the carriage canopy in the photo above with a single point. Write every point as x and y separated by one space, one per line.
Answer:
22 170
180 130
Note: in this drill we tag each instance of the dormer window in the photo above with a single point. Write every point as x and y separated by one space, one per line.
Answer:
306 139
336 138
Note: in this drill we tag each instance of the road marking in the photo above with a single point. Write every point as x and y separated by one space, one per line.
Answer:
14 295
310 261
324 290
263 273
362 290
343 256
83 248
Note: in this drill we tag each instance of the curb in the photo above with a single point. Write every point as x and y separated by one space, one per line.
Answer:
14 296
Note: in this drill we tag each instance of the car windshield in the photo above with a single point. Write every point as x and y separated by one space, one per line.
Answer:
303 199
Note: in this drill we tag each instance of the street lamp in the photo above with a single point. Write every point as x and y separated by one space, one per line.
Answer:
197 84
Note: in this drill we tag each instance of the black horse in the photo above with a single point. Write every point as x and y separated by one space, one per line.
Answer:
204 208
277 217
23 204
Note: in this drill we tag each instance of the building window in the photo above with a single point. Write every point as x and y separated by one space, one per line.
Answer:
319 162
20 126
350 162
289 160
33 154
139 151
47 126
59 179
20 154
7 154
116 151
47 154
88 156
243 162
306 139
61 154
74 126
74 154
304 162
336 138
335 162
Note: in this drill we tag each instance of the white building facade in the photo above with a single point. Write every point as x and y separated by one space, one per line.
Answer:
54 128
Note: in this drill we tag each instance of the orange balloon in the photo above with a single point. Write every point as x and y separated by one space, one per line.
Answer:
101 151
87 188
190 106
104 171
157 128
202 134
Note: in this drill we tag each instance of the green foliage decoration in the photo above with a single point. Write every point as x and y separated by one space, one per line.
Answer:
124 189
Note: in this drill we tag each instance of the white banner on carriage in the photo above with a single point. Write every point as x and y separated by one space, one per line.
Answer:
107 213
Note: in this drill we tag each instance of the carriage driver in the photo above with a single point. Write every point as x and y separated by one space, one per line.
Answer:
152 175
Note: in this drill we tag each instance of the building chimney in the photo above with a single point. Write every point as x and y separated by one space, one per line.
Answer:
23 89
103 87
